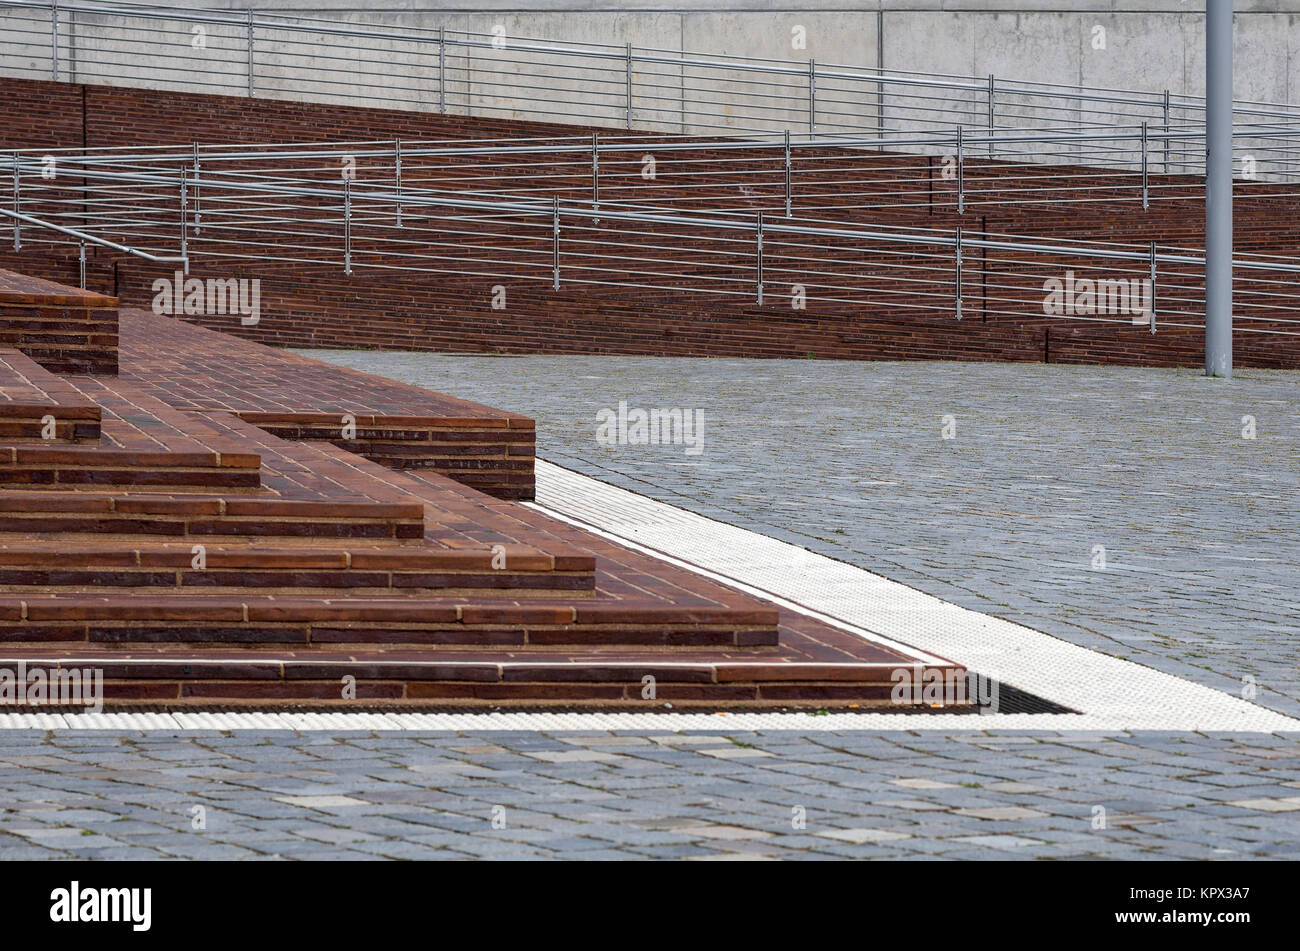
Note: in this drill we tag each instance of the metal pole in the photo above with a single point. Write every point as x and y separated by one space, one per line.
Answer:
184 212
54 39
72 46
812 97
1153 287
787 173
760 258
629 85
555 243
595 172
958 271
81 260
1145 199
1218 188
681 95
442 70
198 194
18 228
397 173
880 65
1166 131
961 176
991 94
251 91
347 226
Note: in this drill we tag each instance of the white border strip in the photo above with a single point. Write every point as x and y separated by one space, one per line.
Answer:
1112 694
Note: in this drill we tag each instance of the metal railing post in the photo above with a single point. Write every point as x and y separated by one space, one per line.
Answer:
961 176
957 273
54 39
184 196
629 85
81 261
595 172
252 91
991 95
787 174
198 194
681 96
1166 149
72 46
759 234
812 97
347 226
555 244
18 228
442 70
1145 195
1153 287
397 175
880 66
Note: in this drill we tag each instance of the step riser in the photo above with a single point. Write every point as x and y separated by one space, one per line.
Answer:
32 430
80 476
271 681
163 526
340 638
44 579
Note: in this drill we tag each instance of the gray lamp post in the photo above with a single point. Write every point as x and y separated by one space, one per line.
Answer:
1218 188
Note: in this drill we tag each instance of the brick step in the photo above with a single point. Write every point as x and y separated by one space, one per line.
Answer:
339 623
204 517
143 444
480 678
37 406
76 468
413 566
63 329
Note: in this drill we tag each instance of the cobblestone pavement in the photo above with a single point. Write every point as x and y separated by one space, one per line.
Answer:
666 795
1198 526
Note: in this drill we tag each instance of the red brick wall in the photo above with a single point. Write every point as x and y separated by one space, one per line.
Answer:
319 306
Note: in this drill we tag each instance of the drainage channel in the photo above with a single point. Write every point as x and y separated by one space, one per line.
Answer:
999 698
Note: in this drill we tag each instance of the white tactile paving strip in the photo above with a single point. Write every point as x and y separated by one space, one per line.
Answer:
1112 695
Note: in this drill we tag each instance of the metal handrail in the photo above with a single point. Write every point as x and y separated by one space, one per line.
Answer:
901 98
755 173
911 270
583 145
84 238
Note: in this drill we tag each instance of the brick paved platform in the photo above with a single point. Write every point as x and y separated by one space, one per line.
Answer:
225 540
289 396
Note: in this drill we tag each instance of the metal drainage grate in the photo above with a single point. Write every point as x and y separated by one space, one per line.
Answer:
1008 700
1014 700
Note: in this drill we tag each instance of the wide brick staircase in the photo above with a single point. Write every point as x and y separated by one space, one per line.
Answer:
223 523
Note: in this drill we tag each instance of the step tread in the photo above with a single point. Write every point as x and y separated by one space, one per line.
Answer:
29 390
189 366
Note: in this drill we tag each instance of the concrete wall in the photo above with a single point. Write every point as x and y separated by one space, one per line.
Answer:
1150 44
